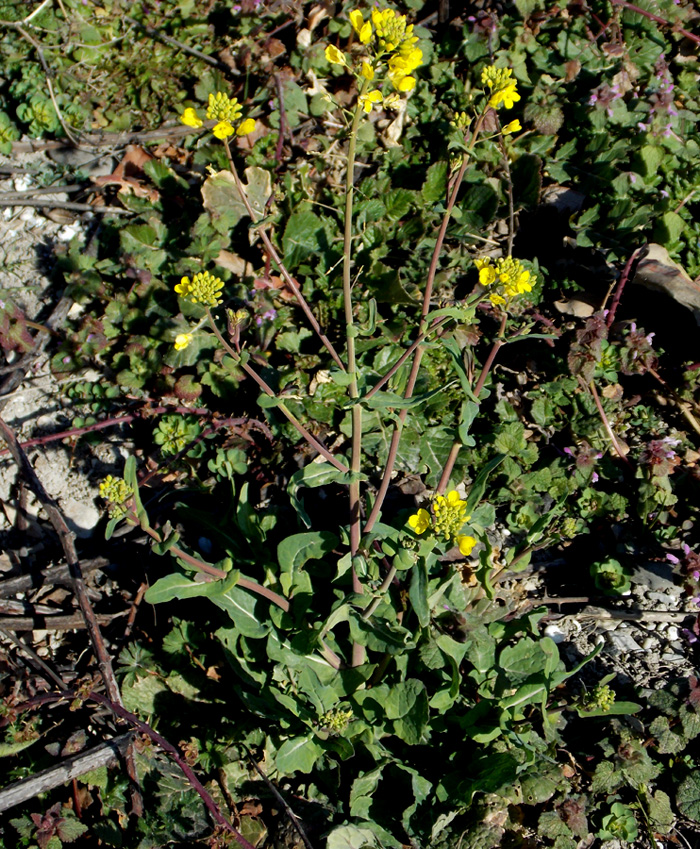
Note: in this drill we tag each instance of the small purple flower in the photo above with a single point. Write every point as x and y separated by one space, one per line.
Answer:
672 558
642 127
593 99
664 193
65 360
689 635
696 575
685 548
594 477
270 314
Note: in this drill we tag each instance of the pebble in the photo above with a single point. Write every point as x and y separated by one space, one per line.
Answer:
649 643
660 599
554 632
621 642
672 633
672 657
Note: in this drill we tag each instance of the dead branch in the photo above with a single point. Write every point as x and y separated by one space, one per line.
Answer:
103 755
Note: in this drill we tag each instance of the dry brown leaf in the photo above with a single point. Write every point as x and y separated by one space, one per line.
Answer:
129 175
656 270
232 262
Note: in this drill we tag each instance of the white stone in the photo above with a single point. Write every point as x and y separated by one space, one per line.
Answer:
554 632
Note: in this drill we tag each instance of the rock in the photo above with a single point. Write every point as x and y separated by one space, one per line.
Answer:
81 517
658 576
622 643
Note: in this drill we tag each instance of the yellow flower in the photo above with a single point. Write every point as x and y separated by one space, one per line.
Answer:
182 340
367 71
513 127
419 522
400 68
509 275
465 543
487 274
204 288
503 88
335 56
245 127
368 100
223 130
392 101
190 118
356 19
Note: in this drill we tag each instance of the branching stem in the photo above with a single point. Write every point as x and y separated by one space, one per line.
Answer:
281 406
275 257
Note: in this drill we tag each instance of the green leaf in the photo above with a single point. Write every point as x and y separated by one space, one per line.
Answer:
652 156
300 754
180 586
70 828
351 837
223 201
384 400
435 185
313 476
301 237
240 606
673 225
418 592
402 697
478 487
398 202
294 551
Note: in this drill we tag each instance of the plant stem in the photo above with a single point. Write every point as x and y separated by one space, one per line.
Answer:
281 406
662 21
356 413
438 323
499 342
453 191
272 252
218 574
606 424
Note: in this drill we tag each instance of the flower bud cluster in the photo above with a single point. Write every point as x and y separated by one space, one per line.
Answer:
226 111
503 89
507 278
117 493
449 515
204 288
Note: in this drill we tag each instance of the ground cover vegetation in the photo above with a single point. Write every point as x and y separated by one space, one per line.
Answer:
359 416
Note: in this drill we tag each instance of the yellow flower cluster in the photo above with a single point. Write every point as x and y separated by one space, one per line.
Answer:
226 111
203 289
508 275
389 41
503 89
449 515
116 492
